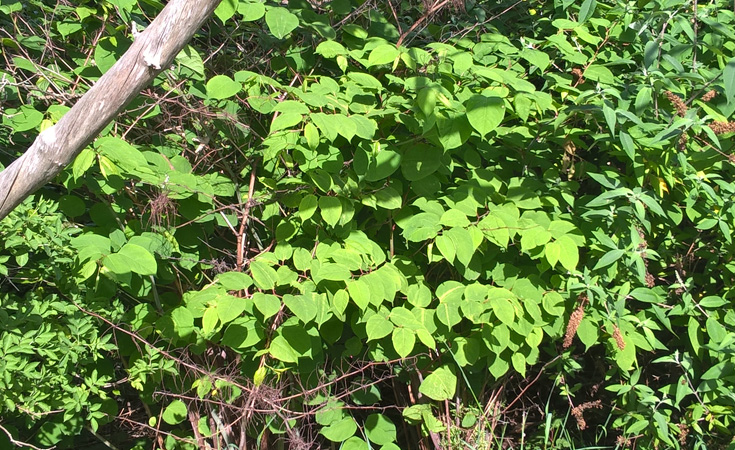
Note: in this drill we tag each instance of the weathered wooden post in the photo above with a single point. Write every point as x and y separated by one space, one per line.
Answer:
152 51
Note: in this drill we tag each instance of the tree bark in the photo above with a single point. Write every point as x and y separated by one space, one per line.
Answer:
152 51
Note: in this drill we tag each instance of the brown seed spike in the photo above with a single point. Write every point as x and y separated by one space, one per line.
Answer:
618 336
709 95
574 320
679 105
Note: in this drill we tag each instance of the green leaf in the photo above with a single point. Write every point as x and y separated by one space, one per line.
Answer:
440 385
307 207
330 49
463 244
281 22
175 412
312 136
586 10
588 332
302 306
728 76
420 161
519 363
403 341
220 87
569 253
378 327
628 145
24 119
388 198
359 292
251 10
503 309
552 250
609 258
485 113
341 430
383 54
226 9
285 120
267 304
229 308
264 275
331 210
234 281
426 100
131 258
354 443
536 57
380 429
282 350
210 318
332 272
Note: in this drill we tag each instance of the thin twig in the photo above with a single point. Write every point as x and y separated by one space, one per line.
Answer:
21 443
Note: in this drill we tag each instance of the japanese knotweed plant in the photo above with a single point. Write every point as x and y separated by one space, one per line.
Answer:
362 225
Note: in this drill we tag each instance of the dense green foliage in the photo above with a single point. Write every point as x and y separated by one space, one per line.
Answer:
376 224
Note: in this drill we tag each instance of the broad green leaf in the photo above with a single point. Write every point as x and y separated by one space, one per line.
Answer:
285 120
380 429
302 306
403 341
332 272
519 363
282 350
264 275
229 308
503 309
251 10
485 113
210 319
312 135
234 281
226 9
267 304
359 292
121 153
220 87
24 119
536 57
388 198
420 161
341 430
131 258
307 207
331 209
552 250
588 332
426 100
175 412
330 49
439 385
378 327
463 244
446 246
280 21
354 443
383 54
569 253
499 366
183 321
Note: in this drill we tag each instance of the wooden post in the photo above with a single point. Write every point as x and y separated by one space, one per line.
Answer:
152 51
